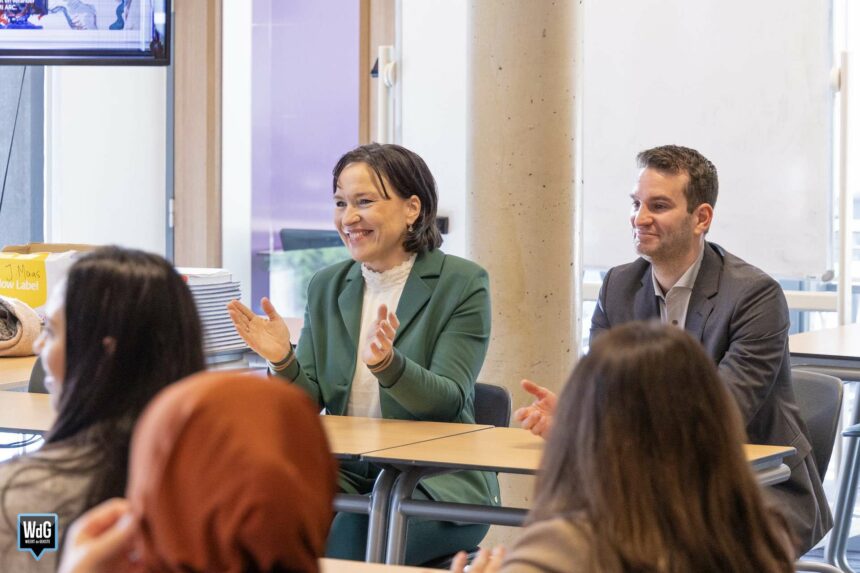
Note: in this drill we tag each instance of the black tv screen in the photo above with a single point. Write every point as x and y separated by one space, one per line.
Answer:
85 32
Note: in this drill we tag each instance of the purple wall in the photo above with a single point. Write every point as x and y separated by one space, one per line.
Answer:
305 115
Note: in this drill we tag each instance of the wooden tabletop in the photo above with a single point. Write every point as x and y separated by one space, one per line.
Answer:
439 444
513 450
763 457
26 413
16 371
352 436
509 450
340 566
839 342
349 436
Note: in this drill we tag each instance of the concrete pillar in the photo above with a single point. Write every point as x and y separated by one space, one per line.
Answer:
522 194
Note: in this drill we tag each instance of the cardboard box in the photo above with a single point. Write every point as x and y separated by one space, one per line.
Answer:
29 272
31 248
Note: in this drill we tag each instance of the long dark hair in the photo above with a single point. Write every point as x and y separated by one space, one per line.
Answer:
132 328
645 452
409 175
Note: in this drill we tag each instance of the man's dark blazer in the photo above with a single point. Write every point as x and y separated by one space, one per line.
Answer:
741 318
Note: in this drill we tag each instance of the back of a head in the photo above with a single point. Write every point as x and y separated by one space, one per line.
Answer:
131 328
231 472
646 451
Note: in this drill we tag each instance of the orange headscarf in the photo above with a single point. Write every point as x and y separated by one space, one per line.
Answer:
231 472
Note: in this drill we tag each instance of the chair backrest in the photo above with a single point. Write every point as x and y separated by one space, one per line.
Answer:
819 398
492 405
36 384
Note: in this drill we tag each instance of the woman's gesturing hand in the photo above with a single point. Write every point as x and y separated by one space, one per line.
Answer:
267 335
380 338
486 562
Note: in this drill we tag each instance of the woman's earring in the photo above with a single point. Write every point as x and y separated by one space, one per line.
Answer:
409 228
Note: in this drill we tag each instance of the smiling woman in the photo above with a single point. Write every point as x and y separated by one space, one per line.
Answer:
370 223
400 331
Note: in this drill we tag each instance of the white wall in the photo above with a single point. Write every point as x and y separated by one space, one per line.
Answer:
105 158
236 144
432 72
745 83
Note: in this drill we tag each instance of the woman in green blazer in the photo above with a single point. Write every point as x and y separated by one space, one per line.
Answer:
357 357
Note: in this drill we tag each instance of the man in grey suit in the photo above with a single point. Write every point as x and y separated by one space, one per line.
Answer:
737 312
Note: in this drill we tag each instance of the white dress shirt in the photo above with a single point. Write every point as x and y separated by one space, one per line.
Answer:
674 304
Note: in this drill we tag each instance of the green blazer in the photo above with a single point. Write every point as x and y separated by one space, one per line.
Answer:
444 315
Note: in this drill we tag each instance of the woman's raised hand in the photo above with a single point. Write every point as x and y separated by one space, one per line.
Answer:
99 541
486 562
380 338
267 335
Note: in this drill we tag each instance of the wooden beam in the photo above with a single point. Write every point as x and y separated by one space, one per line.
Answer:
378 31
197 132
365 62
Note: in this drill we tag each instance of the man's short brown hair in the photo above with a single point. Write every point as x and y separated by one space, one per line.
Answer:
674 159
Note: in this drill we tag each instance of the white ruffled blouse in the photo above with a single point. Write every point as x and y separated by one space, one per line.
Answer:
379 288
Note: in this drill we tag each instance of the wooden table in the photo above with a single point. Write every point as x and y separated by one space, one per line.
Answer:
341 566
832 351
351 437
410 450
15 371
836 347
508 450
513 450
22 412
766 462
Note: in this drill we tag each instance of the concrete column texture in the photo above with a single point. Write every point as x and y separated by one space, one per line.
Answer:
522 194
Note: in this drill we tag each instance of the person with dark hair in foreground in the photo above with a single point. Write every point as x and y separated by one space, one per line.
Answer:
644 477
359 356
217 483
737 312
122 327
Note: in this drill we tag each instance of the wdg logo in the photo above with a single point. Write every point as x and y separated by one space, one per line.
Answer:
37 533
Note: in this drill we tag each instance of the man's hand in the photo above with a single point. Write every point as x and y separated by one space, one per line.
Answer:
537 417
99 541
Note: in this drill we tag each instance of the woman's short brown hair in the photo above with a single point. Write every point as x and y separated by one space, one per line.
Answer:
408 175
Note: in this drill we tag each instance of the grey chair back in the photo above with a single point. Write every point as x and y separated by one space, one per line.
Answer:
819 398
492 405
36 384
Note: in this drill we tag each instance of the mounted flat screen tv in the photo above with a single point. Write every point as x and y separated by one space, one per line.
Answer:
85 32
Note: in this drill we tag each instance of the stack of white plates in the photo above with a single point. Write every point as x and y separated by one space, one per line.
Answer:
212 289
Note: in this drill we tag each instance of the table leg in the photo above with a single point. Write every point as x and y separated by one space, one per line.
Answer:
380 499
397 522
836 545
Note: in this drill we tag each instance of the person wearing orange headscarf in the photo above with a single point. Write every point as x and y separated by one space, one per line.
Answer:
229 472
